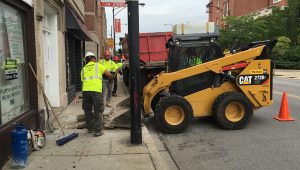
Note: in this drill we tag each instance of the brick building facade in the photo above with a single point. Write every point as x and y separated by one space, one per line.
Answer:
95 21
218 9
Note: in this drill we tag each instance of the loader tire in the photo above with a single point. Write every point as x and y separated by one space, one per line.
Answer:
156 99
154 102
232 110
173 114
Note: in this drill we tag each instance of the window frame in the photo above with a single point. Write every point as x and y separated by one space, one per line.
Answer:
225 9
276 1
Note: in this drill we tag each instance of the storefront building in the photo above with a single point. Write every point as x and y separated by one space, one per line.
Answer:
18 91
51 35
75 38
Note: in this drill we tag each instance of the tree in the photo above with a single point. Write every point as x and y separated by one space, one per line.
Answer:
293 57
283 25
275 23
282 46
293 20
242 30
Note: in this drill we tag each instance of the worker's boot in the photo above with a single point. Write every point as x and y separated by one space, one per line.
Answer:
115 95
108 104
100 133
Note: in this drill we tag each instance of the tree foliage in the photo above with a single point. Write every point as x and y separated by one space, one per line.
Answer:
283 25
242 30
293 20
282 46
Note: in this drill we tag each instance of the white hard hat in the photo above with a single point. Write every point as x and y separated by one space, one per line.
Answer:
88 54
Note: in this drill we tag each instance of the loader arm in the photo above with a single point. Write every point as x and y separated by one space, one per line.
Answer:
164 80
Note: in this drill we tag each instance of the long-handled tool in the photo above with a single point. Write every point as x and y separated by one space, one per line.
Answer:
48 115
64 139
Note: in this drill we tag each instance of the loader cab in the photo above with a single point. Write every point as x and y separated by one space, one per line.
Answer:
188 51
185 54
193 44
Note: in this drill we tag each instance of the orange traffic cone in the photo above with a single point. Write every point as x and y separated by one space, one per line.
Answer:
284 114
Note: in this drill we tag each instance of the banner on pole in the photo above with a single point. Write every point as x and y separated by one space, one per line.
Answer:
112 3
117 25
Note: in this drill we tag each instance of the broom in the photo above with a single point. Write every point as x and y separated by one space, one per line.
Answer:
64 139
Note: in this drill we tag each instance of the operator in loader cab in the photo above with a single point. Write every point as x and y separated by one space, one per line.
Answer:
91 77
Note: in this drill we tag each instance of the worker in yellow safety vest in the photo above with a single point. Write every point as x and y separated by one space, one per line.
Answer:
117 60
91 77
107 83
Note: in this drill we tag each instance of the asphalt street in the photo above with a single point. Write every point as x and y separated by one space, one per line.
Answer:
264 144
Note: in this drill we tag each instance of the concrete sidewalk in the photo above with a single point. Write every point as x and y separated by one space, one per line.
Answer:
293 74
113 150
110 151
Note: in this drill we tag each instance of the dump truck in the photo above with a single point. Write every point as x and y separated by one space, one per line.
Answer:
201 81
153 55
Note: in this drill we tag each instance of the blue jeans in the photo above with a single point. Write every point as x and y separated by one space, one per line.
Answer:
107 86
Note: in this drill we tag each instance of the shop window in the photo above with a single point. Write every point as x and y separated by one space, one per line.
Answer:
226 9
13 79
275 1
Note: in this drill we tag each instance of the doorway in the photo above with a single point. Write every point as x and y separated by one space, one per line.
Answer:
51 72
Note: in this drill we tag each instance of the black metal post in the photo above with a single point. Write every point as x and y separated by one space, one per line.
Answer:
114 30
111 30
134 71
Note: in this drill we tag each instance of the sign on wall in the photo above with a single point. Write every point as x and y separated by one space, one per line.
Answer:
11 97
117 25
11 71
109 43
112 3
14 30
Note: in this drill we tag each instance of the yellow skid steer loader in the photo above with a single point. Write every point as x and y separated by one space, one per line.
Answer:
201 81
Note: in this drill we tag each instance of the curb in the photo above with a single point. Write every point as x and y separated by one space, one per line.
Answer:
156 158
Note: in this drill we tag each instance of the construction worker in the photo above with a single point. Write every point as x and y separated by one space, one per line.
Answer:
194 57
107 83
123 58
116 59
91 77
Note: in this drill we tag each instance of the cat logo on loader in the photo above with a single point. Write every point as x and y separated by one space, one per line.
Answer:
245 80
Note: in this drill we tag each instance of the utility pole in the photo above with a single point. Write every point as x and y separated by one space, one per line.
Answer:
114 49
111 31
134 71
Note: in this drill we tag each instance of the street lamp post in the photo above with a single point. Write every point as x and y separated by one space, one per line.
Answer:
114 14
114 34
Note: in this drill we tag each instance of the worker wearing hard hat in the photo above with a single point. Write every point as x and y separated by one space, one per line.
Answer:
91 77
116 59
107 83
123 58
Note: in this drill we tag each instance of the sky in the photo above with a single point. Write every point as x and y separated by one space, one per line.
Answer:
159 15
